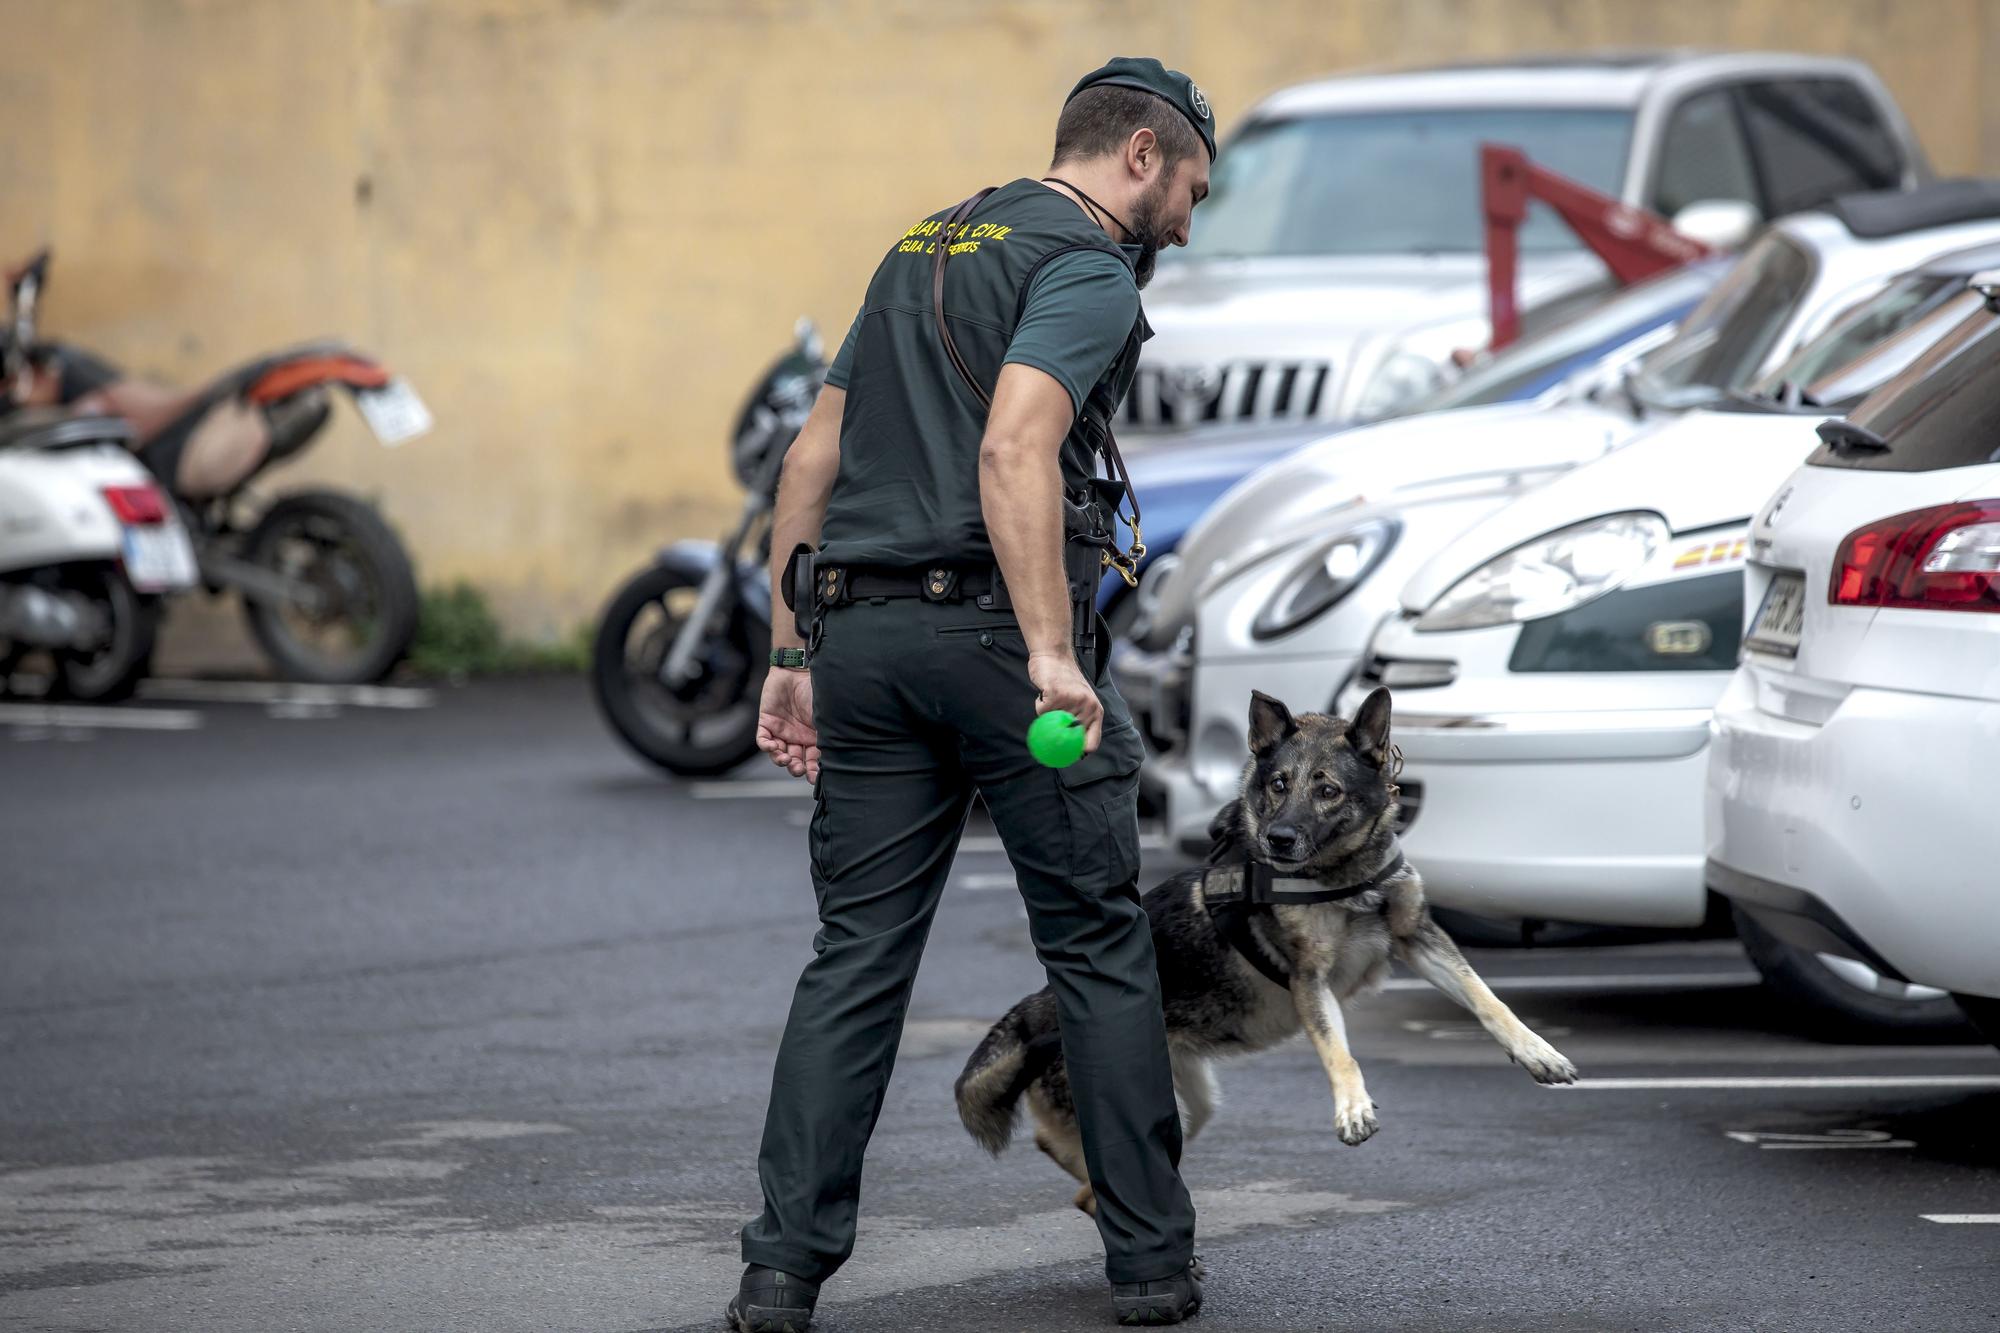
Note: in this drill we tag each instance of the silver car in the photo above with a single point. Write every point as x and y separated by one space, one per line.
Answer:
1338 262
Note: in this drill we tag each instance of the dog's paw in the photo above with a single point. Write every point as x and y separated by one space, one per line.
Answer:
1355 1122
1544 1063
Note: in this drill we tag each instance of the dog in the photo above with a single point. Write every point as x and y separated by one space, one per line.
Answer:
1316 813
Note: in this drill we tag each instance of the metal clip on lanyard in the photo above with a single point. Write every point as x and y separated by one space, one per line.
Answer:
1126 562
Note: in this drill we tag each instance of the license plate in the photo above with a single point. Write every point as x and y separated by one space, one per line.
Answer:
1779 619
393 412
158 558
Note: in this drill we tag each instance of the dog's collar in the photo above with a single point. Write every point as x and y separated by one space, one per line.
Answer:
1254 884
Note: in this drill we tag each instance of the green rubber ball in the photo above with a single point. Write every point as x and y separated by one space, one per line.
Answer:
1056 739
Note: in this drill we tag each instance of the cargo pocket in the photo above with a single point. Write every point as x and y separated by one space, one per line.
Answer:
1100 799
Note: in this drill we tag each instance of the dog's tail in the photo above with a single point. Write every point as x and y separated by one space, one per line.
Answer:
1014 1053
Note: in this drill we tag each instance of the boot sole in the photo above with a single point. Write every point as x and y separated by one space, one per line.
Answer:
767 1319
1147 1311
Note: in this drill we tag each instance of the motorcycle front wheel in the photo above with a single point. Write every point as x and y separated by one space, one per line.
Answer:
707 724
363 616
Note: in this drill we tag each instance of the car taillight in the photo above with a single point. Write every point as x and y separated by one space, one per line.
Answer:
136 505
1946 558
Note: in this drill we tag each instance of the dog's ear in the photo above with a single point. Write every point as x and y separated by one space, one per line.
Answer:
1368 733
1270 723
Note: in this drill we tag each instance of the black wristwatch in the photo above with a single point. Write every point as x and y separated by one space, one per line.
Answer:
791 658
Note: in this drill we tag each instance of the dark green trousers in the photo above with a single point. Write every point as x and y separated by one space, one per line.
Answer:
919 705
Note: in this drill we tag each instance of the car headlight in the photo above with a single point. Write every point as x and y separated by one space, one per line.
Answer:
1328 572
1399 381
1553 573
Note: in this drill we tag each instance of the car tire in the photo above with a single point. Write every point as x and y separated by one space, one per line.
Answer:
1984 1011
1831 1004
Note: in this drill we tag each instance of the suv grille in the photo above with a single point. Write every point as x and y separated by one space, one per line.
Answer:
1240 392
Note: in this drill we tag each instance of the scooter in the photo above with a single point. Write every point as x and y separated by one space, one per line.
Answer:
681 651
328 589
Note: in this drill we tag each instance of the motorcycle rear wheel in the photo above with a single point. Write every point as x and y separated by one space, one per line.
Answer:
343 547
703 728
111 672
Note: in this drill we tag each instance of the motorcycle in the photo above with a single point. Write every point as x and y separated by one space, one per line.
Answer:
681 651
88 544
328 589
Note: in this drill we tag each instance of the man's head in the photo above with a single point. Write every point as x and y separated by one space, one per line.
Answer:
1142 137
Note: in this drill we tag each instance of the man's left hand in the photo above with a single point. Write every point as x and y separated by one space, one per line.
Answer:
785 728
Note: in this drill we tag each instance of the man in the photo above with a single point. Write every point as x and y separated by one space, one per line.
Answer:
949 607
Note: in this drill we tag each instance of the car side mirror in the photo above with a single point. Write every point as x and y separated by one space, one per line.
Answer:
1719 224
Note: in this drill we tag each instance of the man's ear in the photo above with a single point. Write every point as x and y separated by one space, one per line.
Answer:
1270 723
1368 733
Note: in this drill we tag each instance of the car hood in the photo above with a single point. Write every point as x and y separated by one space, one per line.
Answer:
1297 300
1696 471
1309 492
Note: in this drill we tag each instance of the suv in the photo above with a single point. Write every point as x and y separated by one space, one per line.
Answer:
1338 262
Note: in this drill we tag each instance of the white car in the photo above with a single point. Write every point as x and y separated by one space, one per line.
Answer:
1556 668
1337 264
1850 779
1279 585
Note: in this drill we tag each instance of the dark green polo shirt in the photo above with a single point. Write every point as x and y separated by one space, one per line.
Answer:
1031 280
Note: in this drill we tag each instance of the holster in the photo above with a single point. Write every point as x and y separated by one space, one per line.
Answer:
796 586
1089 532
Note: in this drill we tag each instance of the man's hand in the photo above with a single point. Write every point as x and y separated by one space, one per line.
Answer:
1060 684
785 728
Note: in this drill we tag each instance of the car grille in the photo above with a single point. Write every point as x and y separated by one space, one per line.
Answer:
1238 393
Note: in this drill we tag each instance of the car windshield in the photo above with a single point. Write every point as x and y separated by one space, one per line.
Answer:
1890 311
1538 363
1394 182
1724 342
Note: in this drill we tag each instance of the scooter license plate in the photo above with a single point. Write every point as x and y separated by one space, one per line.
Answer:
394 412
158 558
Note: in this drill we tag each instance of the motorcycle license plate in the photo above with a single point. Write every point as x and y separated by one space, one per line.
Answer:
393 412
1780 618
158 558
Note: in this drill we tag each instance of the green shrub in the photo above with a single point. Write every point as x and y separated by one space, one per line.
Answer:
458 635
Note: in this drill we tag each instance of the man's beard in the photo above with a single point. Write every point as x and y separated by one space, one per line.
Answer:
1146 210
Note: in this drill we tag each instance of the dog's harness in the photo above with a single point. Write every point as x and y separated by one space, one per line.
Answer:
1229 892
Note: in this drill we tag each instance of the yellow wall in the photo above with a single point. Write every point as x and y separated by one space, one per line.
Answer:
583 226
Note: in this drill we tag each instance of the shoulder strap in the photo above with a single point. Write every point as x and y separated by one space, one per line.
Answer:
942 252
1114 460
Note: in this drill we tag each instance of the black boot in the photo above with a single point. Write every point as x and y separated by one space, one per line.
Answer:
1166 1300
771 1302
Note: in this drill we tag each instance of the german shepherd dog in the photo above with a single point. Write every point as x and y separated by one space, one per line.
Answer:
1317 806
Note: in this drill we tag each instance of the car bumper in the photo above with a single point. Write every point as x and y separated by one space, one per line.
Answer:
1580 816
1856 831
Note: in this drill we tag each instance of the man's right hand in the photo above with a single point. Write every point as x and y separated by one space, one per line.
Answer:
1059 683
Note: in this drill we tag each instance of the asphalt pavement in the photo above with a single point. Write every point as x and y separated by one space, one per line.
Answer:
435 1010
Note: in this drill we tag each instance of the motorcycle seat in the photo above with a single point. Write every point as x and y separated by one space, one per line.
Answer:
53 428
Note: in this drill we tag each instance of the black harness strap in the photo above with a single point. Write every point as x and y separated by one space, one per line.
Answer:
1231 893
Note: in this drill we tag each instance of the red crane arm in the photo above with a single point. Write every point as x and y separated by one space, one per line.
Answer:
1632 242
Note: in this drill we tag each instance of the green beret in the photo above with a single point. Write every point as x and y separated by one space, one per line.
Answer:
1171 86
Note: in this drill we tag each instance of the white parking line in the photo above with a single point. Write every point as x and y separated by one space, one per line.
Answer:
1828 1081
78 716
983 843
287 693
1617 981
751 789
978 883
1963 1219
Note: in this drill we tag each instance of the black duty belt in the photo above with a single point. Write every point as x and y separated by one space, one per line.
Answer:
1230 891
835 585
